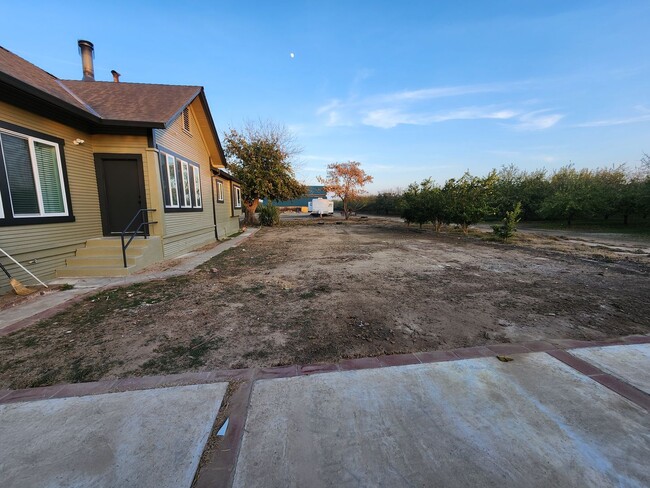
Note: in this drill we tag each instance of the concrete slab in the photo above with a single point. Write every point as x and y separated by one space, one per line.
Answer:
631 363
531 422
150 438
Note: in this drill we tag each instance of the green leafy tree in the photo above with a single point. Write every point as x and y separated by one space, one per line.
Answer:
260 156
387 203
534 189
642 180
414 205
508 188
469 199
509 223
515 185
570 197
435 204
607 191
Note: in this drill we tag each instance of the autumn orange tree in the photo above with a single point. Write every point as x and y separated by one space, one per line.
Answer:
346 181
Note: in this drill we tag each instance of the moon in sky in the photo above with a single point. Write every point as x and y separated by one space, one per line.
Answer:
292 55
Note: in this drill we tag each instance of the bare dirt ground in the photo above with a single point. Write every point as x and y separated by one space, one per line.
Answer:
309 293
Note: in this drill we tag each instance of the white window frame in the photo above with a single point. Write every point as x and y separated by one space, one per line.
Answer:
170 165
196 177
221 196
237 197
37 181
2 212
185 178
188 183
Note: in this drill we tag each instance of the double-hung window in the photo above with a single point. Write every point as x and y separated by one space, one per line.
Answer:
32 182
187 185
236 197
220 193
172 198
181 181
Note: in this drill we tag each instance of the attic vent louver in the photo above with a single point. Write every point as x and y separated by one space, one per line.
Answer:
186 119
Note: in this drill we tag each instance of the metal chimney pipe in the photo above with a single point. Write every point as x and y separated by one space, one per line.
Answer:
87 49
116 76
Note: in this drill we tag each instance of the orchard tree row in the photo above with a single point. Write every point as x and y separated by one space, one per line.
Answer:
568 194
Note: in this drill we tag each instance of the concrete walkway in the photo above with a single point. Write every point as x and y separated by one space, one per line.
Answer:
563 416
38 307
150 438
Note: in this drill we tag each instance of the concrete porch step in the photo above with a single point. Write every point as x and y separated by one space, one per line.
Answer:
109 251
85 271
103 257
117 242
97 260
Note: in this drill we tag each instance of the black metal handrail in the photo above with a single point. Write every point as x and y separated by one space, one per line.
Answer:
145 222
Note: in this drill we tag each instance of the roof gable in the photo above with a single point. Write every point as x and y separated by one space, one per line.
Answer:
141 103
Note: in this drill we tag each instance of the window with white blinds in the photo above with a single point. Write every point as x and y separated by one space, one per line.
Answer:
35 184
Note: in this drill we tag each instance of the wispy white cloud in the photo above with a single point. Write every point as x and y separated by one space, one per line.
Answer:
445 91
611 122
538 120
387 118
422 107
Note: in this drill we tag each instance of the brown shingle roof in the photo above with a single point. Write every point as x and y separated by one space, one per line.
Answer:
102 102
134 102
25 72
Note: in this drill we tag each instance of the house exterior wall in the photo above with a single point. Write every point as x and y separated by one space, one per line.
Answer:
49 244
138 145
227 215
184 231
44 247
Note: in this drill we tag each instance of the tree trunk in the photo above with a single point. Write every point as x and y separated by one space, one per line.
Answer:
249 211
346 212
625 219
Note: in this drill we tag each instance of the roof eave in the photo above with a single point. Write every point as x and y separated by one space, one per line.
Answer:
226 176
133 123
213 129
31 90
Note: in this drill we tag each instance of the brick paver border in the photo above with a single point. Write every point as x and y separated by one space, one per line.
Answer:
219 469
556 348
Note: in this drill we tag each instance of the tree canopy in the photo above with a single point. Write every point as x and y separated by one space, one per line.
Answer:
468 199
260 155
346 181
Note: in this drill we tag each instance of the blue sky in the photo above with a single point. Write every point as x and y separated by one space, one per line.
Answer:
409 89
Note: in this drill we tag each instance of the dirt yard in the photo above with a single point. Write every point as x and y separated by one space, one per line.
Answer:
309 293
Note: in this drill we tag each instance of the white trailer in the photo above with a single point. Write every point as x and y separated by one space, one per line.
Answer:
320 206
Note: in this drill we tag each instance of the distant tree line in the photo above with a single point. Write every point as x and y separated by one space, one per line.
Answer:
567 194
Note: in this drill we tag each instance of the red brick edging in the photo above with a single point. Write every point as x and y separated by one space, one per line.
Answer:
556 348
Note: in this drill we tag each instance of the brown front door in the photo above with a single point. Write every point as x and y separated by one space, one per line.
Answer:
120 182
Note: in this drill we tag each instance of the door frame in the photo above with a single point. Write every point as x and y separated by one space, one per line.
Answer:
100 160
